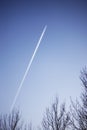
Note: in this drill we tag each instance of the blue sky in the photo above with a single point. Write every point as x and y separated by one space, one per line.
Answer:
57 64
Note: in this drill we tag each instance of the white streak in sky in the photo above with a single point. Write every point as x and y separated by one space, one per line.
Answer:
28 68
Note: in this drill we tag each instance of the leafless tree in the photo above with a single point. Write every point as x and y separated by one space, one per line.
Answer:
10 121
55 118
13 121
79 109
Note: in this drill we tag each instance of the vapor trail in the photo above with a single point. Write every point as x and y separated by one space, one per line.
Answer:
28 68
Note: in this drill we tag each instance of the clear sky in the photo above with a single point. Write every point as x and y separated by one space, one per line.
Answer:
57 64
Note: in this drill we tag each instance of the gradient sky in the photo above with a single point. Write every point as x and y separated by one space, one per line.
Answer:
57 64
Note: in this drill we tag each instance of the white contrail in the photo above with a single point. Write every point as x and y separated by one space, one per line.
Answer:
27 70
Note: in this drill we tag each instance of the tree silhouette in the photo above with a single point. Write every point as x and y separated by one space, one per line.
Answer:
10 121
79 110
13 121
55 119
